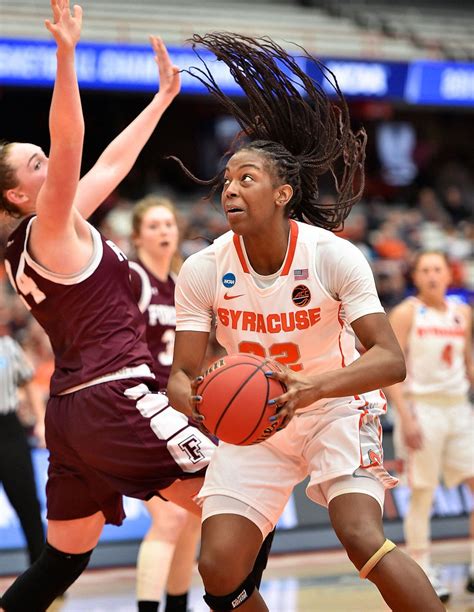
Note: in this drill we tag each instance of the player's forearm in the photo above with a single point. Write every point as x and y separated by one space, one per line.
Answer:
179 391
396 396
121 154
378 367
66 122
35 400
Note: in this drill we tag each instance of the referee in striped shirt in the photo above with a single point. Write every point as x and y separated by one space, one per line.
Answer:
16 469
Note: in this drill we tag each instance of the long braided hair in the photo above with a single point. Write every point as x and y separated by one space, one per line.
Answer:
291 121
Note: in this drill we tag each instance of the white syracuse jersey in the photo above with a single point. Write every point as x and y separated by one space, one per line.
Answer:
294 320
436 351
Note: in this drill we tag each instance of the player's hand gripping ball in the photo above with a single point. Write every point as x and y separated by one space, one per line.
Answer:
235 394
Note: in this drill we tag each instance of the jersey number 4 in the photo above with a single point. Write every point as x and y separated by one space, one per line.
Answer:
24 284
447 355
286 353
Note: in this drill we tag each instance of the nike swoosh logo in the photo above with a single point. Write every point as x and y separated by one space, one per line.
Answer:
357 474
232 297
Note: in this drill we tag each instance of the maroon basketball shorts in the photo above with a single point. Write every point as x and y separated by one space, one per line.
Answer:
113 439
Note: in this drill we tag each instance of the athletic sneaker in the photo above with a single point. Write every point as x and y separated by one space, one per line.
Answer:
470 582
440 589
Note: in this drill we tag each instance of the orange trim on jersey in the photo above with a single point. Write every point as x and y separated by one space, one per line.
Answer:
240 253
291 248
366 403
289 256
361 459
341 323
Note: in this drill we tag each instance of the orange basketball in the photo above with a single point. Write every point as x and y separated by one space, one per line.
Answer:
235 394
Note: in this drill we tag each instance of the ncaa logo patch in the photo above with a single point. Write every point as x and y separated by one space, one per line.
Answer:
228 280
301 296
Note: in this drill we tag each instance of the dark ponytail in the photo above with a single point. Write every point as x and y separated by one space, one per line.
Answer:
290 119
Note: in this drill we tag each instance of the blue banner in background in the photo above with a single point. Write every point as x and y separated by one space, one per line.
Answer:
103 66
445 83
364 79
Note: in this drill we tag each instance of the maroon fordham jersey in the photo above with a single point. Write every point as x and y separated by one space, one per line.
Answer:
155 299
91 317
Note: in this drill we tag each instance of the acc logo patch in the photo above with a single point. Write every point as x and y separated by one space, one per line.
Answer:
228 280
301 296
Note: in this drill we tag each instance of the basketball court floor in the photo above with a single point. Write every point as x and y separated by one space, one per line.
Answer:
308 582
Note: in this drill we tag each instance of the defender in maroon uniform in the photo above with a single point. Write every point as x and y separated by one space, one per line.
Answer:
108 431
103 382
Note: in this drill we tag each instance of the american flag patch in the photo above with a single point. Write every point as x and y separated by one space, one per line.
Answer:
301 274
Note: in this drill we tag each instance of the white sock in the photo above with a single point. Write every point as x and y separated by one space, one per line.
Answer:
153 563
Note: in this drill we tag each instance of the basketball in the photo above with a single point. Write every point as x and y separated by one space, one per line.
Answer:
235 394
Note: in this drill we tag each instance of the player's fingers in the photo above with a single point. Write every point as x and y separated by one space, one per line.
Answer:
160 50
56 10
195 384
280 400
285 415
77 13
284 376
197 416
153 42
199 420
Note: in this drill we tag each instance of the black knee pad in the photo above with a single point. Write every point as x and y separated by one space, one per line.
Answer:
262 558
221 603
49 576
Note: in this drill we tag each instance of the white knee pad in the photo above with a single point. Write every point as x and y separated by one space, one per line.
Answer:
222 504
348 484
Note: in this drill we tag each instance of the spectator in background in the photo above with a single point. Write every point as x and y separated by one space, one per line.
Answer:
16 468
388 244
428 204
456 204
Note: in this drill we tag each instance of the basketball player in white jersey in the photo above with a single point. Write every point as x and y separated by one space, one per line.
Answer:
434 430
296 293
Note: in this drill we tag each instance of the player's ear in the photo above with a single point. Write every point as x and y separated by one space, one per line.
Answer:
283 195
15 196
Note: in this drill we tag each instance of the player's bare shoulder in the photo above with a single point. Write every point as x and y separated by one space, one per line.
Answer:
467 313
402 319
404 310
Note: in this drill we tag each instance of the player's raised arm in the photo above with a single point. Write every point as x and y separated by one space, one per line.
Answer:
66 125
120 155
